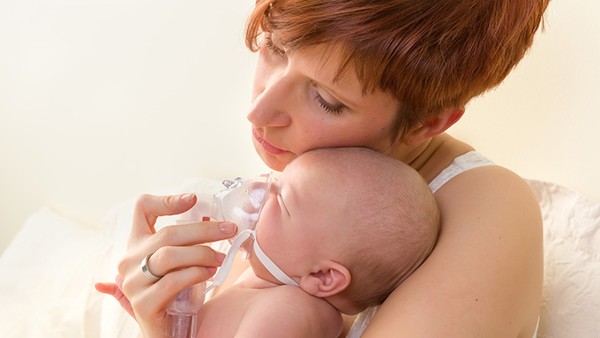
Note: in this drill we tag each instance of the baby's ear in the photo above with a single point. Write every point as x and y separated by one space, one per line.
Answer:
329 278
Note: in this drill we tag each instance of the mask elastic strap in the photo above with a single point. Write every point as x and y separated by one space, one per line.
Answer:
221 275
270 265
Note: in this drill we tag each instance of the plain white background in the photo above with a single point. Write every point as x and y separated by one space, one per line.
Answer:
103 100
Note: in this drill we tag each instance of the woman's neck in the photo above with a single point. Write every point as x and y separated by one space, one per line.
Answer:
430 157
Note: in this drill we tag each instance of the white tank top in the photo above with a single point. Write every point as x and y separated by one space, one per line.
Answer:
467 161
464 162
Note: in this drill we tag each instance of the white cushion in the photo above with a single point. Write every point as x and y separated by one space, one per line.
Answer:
571 295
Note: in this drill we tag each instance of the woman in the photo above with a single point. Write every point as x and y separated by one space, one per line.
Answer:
392 76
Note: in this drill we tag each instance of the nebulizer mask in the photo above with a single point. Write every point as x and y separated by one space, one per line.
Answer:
239 202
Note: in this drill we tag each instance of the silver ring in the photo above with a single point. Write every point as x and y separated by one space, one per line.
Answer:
146 270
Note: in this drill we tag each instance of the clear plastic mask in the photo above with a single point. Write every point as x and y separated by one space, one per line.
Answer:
241 201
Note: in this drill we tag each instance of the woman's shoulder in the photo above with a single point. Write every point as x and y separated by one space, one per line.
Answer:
489 198
455 169
487 185
491 232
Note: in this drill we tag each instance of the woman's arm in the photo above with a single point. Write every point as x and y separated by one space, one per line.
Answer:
484 277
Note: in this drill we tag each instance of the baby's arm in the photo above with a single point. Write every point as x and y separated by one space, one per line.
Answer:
287 311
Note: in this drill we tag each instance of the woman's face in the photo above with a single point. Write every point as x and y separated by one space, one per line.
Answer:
297 105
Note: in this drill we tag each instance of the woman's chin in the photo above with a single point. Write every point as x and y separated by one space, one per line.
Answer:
276 162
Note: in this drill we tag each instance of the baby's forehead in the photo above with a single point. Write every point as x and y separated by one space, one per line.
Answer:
316 158
316 180
304 168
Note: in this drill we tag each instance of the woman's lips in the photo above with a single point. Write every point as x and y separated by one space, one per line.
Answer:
266 145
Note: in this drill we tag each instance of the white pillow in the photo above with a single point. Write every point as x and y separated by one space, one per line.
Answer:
571 303
46 279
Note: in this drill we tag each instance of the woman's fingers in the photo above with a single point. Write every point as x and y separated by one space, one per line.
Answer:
113 289
194 233
177 253
173 249
173 258
167 262
150 305
161 293
172 245
149 207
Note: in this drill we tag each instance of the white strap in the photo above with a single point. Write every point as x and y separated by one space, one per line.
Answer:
271 266
462 163
221 275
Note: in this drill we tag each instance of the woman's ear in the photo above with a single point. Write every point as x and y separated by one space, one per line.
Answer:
434 125
330 278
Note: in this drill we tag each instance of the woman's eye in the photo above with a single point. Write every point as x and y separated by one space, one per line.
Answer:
324 100
335 109
274 49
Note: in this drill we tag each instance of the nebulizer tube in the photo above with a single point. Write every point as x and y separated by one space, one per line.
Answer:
182 313
240 202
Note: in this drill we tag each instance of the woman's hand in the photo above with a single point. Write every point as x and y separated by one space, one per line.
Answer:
176 257
114 289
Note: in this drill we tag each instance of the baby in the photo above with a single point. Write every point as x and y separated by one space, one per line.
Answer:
345 226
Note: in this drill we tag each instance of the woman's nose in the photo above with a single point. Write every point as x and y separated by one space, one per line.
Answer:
268 118
272 104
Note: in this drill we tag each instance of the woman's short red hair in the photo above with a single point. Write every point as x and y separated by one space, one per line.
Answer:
429 54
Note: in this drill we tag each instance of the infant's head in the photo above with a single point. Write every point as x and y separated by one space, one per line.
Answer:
348 224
